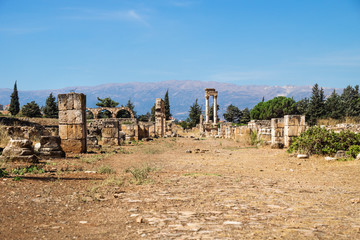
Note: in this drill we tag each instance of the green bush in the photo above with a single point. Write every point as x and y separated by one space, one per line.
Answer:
320 141
354 150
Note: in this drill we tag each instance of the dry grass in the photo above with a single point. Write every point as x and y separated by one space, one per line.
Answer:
4 137
333 122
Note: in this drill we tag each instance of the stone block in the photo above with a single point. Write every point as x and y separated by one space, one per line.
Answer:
79 101
110 132
110 141
63 131
292 131
50 142
74 145
292 120
62 102
76 117
20 150
76 131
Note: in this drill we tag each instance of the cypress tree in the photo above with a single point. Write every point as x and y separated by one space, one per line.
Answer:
51 108
316 108
167 105
14 102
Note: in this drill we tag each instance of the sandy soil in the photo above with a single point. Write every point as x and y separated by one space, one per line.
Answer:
231 191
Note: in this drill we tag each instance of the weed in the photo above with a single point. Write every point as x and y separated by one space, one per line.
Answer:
105 169
17 178
254 139
3 173
140 175
33 169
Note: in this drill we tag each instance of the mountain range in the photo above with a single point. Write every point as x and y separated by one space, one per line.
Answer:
182 94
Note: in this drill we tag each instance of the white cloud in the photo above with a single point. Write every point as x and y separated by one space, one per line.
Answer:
89 14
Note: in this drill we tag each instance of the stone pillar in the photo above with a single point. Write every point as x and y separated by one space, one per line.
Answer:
206 109
201 123
215 109
72 122
160 117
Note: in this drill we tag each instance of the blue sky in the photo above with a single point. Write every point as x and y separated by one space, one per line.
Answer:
49 44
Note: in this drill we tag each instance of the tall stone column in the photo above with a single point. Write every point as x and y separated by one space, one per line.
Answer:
207 109
215 109
72 122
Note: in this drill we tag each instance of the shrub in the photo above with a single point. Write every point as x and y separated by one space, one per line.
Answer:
354 150
320 141
105 169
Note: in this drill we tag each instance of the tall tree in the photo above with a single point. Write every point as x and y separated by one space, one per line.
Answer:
153 113
245 116
167 105
316 108
233 114
333 107
194 114
302 106
31 110
51 108
350 101
14 101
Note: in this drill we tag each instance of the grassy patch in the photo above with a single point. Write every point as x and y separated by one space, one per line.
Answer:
105 169
90 159
140 174
33 169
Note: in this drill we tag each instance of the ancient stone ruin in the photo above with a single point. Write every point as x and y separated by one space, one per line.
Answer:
50 147
20 150
210 92
72 122
110 133
160 118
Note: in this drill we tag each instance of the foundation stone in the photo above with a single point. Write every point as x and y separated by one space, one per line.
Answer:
20 150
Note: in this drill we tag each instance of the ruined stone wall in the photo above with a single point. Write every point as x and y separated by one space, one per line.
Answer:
72 122
277 131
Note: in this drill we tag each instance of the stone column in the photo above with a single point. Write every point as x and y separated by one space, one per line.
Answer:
160 117
72 122
207 109
215 109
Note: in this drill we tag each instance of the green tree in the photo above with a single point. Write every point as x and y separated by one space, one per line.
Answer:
14 101
316 108
153 113
302 106
211 112
167 105
274 108
233 114
51 108
245 116
194 114
31 110
333 107
106 102
144 117
350 101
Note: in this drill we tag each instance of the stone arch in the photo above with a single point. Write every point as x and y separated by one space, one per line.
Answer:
113 110
124 109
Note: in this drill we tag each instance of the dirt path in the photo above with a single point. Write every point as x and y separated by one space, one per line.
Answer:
227 192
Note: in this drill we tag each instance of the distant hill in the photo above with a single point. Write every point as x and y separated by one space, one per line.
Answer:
182 94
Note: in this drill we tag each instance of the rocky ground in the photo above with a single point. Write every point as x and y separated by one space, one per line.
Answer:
224 190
